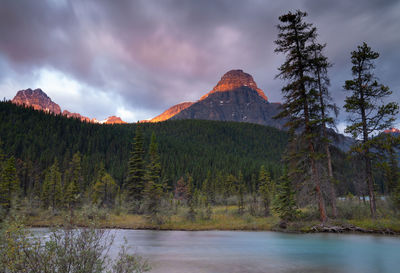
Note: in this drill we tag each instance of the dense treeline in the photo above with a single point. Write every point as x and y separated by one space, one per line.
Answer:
222 158
197 147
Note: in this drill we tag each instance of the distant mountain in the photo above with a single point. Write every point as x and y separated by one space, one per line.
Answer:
242 104
113 120
171 112
393 131
236 97
40 101
68 114
233 80
36 99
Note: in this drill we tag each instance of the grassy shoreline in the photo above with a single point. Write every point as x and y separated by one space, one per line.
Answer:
220 222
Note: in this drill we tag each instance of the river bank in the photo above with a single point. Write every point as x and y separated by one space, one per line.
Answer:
224 222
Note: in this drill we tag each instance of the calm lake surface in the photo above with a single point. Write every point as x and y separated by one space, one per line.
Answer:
261 252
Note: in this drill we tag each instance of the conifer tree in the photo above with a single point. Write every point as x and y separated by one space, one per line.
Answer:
105 190
285 204
74 173
388 146
326 106
240 191
208 188
396 196
181 189
71 195
154 188
51 194
9 184
265 189
295 39
368 112
191 198
134 183
2 156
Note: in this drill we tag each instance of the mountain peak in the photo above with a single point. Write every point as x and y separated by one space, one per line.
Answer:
39 100
36 99
113 120
392 131
235 79
171 112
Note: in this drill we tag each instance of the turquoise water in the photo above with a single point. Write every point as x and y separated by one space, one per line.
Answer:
261 252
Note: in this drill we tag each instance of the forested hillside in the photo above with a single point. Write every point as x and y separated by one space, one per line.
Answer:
187 146
194 147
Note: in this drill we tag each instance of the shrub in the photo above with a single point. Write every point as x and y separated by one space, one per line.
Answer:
66 250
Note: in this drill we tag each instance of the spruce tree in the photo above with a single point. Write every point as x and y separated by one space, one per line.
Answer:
74 172
191 198
240 191
52 194
9 184
134 183
300 108
105 190
2 155
285 204
181 189
387 146
368 112
321 64
208 188
265 189
154 188
71 195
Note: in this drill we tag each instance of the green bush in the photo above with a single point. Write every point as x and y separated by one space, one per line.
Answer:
66 250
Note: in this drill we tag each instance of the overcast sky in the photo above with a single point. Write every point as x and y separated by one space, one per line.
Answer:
137 58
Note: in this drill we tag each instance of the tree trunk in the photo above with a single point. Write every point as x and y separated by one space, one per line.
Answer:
321 203
328 153
308 131
331 180
368 168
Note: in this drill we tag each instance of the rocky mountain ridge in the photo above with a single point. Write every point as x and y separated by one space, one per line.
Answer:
236 97
40 101
36 99
169 113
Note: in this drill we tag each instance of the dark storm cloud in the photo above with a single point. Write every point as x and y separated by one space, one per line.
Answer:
153 54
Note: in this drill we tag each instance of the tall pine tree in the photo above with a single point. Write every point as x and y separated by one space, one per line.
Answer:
52 192
105 190
321 64
368 112
9 184
265 189
154 188
285 204
134 183
295 39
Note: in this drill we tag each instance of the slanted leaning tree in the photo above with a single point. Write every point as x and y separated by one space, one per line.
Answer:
321 64
300 108
368 112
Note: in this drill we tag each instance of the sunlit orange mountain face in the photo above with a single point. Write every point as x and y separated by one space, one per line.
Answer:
236 97
40 101
392 131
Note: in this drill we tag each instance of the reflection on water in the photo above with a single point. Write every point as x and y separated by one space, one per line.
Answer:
261 252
